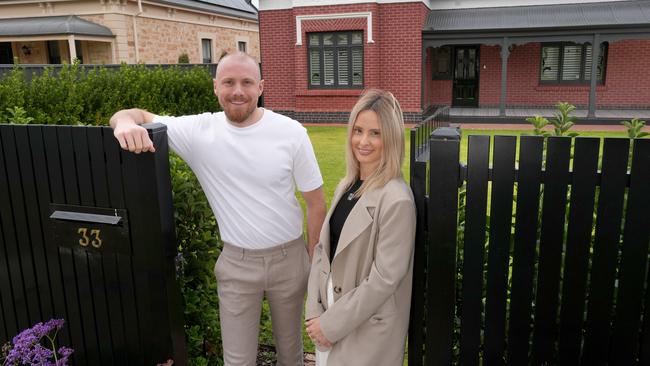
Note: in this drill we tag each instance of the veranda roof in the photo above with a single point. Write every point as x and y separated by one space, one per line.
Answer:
38 26
592 16
233 8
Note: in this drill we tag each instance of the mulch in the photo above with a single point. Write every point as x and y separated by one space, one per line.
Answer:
266 356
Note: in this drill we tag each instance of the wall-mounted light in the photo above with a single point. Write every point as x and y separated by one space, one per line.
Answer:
26 50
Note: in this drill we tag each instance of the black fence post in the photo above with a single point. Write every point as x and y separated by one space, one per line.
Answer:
444 178
147 184
418 179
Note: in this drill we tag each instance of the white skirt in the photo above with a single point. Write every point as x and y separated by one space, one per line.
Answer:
321 356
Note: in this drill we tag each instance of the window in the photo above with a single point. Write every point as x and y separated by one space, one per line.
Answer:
80 54
335 60
441 63
570 63
241 46
206 49
54 54
6 53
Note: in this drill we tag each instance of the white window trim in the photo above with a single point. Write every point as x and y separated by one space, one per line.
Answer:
300 18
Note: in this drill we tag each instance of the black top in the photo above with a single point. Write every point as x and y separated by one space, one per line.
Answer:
340 214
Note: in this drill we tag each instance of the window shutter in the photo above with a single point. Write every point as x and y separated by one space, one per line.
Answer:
550 63
314 67
343 58
599 67
328 67
571 62
357 66
335 59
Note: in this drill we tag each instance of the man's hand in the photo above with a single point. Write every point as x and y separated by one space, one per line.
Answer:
316 334
133 137
129 133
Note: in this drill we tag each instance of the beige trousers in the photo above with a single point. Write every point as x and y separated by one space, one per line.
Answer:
244 277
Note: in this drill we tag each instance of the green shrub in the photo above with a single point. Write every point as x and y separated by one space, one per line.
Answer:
561 122
199 244
634 127
77 95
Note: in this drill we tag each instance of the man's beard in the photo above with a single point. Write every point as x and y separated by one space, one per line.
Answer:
237 114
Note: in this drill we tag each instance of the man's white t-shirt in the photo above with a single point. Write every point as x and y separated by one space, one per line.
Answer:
249 174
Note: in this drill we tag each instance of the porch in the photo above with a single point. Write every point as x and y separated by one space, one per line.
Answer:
55 40
500 61
519 115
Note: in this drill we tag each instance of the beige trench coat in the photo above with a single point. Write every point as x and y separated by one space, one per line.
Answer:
371 274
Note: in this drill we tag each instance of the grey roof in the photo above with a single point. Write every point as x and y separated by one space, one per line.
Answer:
612 14
235 8
36 26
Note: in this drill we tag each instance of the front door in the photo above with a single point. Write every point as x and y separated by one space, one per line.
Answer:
466 70
6 55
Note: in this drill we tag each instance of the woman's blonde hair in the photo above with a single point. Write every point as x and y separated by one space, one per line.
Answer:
391 125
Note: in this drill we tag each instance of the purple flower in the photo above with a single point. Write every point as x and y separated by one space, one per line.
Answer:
28 350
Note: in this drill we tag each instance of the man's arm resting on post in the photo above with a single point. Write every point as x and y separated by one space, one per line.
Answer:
127 130
316 211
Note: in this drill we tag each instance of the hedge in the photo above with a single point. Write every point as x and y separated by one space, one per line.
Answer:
89 97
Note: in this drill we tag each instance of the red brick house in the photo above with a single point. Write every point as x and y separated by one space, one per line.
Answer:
491 58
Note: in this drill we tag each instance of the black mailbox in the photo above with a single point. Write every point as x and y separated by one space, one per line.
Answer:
92 228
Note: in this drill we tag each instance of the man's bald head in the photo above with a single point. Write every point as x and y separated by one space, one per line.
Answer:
239 57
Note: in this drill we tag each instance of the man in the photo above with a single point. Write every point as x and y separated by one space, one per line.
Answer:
247 160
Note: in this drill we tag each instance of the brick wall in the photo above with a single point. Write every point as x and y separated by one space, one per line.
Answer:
627 83
277 40
401 52
162 41
392 61
309 100
98 52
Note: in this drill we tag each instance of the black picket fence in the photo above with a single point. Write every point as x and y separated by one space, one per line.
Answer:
87 234
540 259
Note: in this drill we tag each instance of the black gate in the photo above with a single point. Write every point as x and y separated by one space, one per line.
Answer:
87 234
540 259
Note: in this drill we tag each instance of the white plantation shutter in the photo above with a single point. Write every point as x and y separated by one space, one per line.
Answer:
587 65
314 67
343 58
357 66
335 59
571 62
600 66
328 67
550 63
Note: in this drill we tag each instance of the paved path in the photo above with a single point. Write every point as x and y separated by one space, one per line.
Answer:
507 126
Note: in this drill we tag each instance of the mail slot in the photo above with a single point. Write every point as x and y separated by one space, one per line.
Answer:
90 228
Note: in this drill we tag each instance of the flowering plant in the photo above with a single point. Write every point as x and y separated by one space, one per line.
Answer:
26 348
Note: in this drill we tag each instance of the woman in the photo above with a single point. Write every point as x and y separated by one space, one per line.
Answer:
359 291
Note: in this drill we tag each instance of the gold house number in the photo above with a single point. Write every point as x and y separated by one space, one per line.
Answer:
94 239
